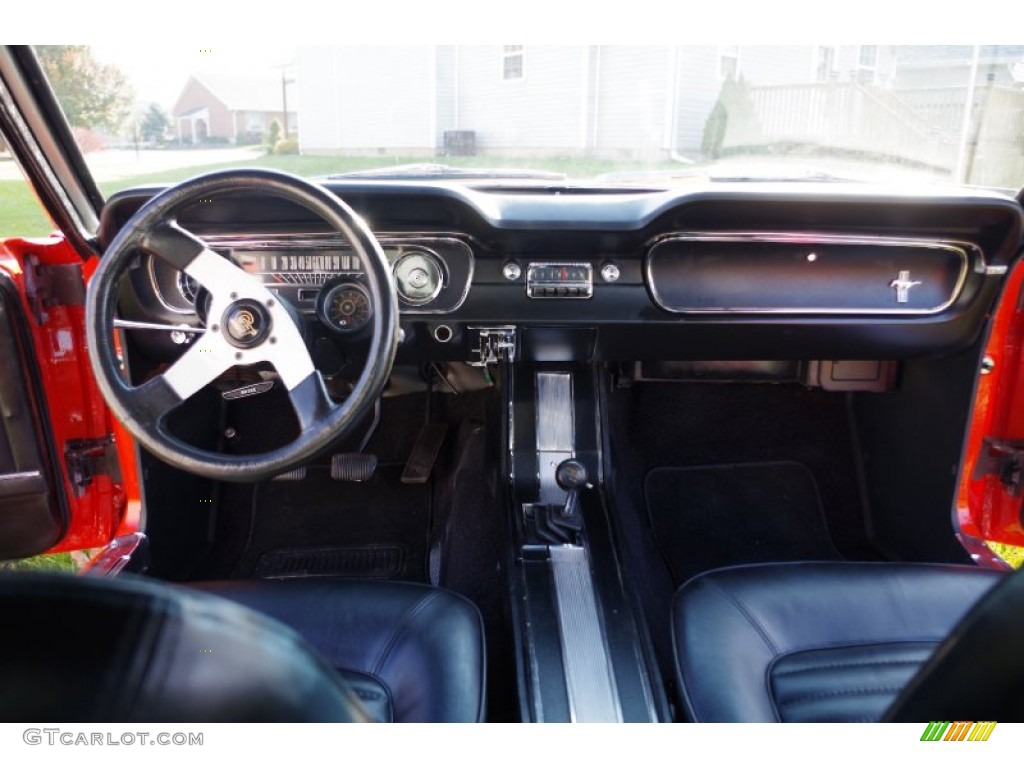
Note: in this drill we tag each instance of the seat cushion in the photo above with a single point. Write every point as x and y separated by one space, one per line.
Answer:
411 652
812 642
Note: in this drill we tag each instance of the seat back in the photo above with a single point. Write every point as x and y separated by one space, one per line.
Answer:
86 649
977 672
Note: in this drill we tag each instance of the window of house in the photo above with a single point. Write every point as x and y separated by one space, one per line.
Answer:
512 62
729 62
825 65
866 63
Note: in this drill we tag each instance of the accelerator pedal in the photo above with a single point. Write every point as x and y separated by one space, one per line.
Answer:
424 454
353 467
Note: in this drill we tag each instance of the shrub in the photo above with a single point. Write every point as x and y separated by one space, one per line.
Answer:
287 147
273 133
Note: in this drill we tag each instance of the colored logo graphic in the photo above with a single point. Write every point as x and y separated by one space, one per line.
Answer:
960 730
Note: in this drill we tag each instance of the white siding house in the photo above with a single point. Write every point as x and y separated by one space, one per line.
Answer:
367 100
638 103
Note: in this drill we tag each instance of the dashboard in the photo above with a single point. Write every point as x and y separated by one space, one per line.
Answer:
758 271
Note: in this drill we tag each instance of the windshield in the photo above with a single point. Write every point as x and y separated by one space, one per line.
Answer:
649 116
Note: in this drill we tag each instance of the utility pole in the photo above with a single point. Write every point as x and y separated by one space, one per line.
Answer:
965 126
284 101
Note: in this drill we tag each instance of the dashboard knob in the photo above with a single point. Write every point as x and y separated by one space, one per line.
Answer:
610 273
512 271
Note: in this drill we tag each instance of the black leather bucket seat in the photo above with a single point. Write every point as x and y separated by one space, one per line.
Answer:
850 642
89 649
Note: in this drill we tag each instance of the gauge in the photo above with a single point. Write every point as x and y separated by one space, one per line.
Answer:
344 307
418 276
188 288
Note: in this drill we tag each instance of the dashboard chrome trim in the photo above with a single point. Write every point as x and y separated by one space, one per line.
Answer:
319 240
442 269
968 253
151 275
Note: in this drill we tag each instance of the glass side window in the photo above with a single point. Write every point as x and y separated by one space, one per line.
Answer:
512 62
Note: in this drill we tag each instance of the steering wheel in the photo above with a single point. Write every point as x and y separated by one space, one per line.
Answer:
246 324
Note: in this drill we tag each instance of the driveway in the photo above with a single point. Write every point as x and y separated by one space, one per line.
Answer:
114 164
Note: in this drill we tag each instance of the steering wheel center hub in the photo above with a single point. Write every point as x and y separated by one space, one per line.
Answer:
246 323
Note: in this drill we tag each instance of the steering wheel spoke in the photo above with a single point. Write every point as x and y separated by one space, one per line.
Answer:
207 358
310 400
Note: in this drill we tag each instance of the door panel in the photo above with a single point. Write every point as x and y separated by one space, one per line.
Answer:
64 435
33 514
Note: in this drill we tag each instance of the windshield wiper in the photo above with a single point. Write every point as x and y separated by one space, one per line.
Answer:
438 172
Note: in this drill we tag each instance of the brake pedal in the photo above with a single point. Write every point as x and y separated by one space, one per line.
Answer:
424 453
299 473
353 467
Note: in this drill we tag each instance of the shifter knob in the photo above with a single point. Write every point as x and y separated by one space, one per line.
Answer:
571 475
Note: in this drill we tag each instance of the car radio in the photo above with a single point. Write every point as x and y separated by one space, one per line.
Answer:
560 280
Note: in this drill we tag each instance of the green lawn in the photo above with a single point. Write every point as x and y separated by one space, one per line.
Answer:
317 165
1012 555
62 562
21 214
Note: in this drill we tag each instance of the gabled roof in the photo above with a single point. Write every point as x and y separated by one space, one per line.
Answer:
252 92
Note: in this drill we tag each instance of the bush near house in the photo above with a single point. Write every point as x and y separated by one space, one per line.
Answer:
273 135
286 147
733 121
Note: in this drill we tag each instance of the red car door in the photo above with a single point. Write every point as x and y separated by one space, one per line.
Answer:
990 498
67 472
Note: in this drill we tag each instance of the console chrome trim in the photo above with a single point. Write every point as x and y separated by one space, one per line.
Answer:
968 253
555 430
590 682
555 422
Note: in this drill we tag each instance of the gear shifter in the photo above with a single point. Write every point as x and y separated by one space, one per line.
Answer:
560 525
571 475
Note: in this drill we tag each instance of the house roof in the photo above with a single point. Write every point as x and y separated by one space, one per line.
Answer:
252 92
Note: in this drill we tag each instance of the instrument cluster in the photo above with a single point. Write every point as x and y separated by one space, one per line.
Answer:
321 276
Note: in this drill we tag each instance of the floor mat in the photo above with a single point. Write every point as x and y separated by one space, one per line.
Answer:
321 526
727 514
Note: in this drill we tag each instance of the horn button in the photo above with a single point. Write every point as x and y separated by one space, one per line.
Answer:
246 323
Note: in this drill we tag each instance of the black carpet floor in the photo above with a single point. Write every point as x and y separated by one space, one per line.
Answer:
375 529
709 517
675 523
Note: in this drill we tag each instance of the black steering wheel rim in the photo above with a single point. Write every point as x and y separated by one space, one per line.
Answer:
154 230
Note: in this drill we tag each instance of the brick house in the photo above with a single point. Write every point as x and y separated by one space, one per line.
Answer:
232 108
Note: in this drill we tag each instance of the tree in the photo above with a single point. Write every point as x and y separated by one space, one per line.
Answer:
92 94
273 134
733 120
155 123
